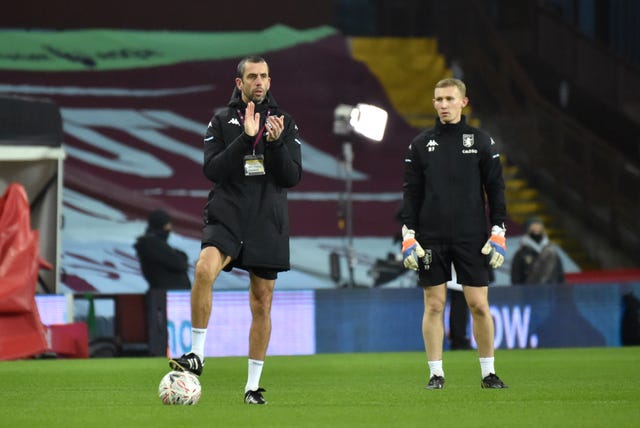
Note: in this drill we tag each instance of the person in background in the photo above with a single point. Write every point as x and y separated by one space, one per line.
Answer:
252 154
537 260
458 315
450 171
164 268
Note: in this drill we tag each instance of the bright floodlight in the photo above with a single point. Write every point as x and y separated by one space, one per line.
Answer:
363 119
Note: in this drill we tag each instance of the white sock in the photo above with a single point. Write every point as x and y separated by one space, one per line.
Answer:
253 375
486 366
435 368
198 339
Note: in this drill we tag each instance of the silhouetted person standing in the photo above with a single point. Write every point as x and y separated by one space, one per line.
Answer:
164 268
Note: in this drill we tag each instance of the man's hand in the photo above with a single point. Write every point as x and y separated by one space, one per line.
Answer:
275 126
411 249
251 120
496 247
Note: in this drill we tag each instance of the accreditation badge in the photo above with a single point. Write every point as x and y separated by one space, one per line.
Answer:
254 165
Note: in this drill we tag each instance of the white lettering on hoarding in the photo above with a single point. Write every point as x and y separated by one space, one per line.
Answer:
516 326
511 327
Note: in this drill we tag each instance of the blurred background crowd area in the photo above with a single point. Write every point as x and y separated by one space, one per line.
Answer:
555 82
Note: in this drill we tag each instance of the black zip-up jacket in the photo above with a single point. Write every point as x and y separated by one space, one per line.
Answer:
448 170
163 266
253 208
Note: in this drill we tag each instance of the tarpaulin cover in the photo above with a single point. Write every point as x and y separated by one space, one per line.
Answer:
21 331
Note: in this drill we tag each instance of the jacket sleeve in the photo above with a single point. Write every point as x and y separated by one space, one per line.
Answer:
493 183
283 158
222 159
412 187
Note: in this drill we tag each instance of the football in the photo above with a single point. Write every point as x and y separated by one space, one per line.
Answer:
180 388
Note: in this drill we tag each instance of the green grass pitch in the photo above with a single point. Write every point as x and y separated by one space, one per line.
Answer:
587 387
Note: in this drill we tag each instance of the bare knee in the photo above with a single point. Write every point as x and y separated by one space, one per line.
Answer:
261 307
479 308
205 273
434 301
478 301
209 265
434 307
261 296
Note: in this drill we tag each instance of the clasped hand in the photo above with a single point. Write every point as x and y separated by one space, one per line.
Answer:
274 125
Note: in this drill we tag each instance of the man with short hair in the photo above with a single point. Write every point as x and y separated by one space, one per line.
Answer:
252 154
450 170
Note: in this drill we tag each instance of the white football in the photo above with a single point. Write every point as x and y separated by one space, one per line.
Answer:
180 388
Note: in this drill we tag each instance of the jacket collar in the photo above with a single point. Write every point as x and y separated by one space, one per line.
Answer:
451 126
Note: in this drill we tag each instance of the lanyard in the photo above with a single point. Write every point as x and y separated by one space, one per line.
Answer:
259 134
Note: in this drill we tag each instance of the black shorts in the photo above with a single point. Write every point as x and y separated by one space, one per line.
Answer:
217 235
472 267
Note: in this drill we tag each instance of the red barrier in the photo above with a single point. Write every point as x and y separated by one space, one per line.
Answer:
69 340
21 331
602 276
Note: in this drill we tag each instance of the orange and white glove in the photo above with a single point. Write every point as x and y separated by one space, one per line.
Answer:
496 246
411 249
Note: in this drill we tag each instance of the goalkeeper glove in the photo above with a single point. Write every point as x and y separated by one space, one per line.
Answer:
496 246
411 249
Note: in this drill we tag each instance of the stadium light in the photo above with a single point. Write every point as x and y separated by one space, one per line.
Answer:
366 120
363 120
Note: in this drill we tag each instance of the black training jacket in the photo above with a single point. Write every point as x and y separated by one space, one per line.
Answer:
163 266
253 208
448 170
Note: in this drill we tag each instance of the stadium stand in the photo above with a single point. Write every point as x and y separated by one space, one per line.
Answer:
396 61
578 174
556 167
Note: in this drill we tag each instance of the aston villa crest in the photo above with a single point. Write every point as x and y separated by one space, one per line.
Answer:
467 140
